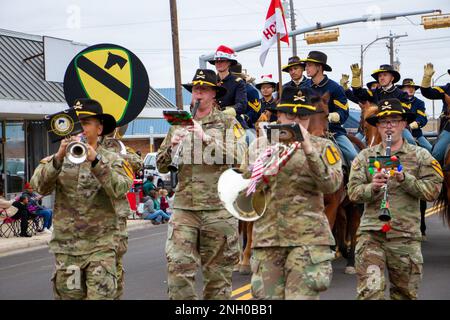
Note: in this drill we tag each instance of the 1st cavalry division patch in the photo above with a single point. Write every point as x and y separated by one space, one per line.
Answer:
332 155
437 167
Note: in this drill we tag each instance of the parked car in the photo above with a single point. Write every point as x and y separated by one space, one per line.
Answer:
161 180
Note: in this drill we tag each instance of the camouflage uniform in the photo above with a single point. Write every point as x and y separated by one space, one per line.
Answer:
133 164
399 249
291 242
85 223
200 230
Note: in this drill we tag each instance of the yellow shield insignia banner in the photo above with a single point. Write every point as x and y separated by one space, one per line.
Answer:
113 76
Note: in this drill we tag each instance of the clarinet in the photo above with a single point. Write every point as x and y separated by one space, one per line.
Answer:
385 214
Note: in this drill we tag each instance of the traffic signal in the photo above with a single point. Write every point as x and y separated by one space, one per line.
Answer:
436 21
326 35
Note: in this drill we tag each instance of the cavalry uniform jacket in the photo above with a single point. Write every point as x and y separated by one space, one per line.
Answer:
375 96
304 83
295 214
85 219
423 181
436 93
337 103
236 95
418 108
269 105
202 163
254 109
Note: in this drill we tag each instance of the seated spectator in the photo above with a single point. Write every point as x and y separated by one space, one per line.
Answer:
22 214
148 186
164 205
35 207
152 210
7 205
140 174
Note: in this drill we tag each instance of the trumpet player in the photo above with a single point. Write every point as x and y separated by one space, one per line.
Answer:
395 244
291 256
86 223
201 232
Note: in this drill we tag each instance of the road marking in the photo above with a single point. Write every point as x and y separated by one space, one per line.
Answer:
147 236
240 290
430 211
247 296
25 263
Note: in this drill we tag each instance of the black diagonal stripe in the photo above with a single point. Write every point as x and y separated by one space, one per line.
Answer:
103 77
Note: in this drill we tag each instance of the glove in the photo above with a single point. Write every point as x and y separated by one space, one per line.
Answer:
334 117
230 111
428 72
344 81
414 125
356 75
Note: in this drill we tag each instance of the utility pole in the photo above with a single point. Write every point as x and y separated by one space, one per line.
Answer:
390 46
391 51
293 27
176 54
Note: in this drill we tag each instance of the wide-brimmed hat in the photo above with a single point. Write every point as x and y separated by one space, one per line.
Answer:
387 68
224 53
389 107
206 77
236 69
296 101
293 61
89 108
370 83
318 57
408 82
266 79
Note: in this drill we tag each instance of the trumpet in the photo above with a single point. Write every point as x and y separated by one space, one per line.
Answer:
77 151
233 189
173 166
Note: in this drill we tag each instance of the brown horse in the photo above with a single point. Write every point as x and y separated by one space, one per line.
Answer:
343 215
370 132
444 197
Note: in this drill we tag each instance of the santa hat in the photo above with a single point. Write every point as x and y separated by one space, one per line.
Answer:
266 79
224 53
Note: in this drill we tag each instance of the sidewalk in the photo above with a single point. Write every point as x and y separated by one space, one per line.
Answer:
15 244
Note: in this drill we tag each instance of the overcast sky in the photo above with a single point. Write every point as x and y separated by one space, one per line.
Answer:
143 26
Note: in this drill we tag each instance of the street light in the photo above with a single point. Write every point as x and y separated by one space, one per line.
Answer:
364 49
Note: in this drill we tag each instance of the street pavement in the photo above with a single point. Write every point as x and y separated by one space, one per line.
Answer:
27 275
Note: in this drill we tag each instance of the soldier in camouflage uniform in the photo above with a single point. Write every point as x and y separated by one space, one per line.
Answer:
86 223
395 244
291 256
133 163
201 231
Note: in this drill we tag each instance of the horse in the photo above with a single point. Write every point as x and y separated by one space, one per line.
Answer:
444 197
342 214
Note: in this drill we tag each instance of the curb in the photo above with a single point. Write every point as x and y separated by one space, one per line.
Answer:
25 246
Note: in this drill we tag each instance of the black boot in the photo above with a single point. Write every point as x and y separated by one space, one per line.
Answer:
24 227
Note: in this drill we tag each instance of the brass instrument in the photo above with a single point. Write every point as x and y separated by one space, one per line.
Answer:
77 151
385 214
232 187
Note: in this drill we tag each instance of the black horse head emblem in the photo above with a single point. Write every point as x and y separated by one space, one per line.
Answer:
115 59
